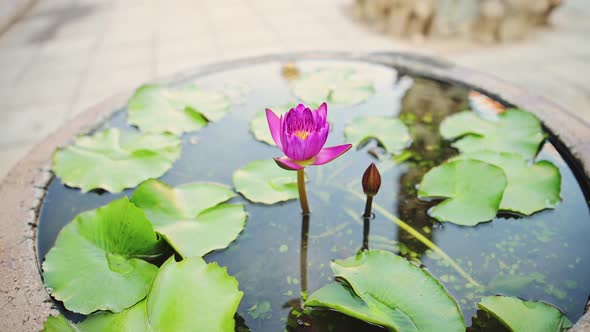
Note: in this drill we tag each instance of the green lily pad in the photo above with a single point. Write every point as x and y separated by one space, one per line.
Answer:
334 86
262 181
185 296
385 289
155 108
100 248
515 131
192 294
114 160
131 319
473 190
390 133
259 124
189 216
531 187
58 324
525 316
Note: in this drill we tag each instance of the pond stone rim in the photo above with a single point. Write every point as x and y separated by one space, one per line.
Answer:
23 297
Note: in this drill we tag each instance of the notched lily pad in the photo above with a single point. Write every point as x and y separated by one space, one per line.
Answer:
100 248
516 131
185 296
334 86
524 316
191 217
390 133
114 160
384 289
155 108
262 181
531 187
472 190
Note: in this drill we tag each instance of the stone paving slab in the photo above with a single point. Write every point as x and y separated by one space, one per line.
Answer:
63 56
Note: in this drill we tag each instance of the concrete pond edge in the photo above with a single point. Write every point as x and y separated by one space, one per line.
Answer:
24 301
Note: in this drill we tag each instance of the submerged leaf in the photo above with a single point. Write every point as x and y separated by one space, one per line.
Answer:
531 187
391 133
516 131
262 181
524 316
334 86
92 265
384 289
114 160
186 296
473 190
189 216
155 108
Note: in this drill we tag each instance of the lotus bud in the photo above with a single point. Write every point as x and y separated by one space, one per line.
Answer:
371 180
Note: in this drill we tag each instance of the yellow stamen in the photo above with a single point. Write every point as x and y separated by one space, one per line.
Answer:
301 134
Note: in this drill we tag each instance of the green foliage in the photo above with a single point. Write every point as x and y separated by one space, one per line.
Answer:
336 86
93 264
185 296
531 187
472 190
191 217
384 289
262 181
516 131
114 160
525 316
390 133
155 108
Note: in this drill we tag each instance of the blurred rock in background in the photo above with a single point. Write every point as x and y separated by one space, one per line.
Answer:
489 21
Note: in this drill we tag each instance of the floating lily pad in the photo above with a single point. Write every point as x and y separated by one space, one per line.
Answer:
531 187
192 294
190 217
262 181
334 86
155 108
93 264
515 131
185 296
524 316
473 190
131 319
390 133
58 324
114 160
385 289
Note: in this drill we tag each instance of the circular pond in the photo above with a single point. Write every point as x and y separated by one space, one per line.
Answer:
540 254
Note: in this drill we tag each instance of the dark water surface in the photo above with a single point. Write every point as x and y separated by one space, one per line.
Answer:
544 257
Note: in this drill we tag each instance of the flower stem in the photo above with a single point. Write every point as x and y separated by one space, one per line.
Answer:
302 192
420 238
303 255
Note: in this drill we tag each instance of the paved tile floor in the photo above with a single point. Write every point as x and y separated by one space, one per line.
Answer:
65 55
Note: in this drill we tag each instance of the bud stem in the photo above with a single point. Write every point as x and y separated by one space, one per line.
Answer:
368 207
302 192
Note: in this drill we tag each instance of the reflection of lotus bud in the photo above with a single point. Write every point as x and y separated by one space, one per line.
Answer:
371 180
290 71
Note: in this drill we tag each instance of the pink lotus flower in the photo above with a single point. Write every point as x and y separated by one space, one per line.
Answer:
301 135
